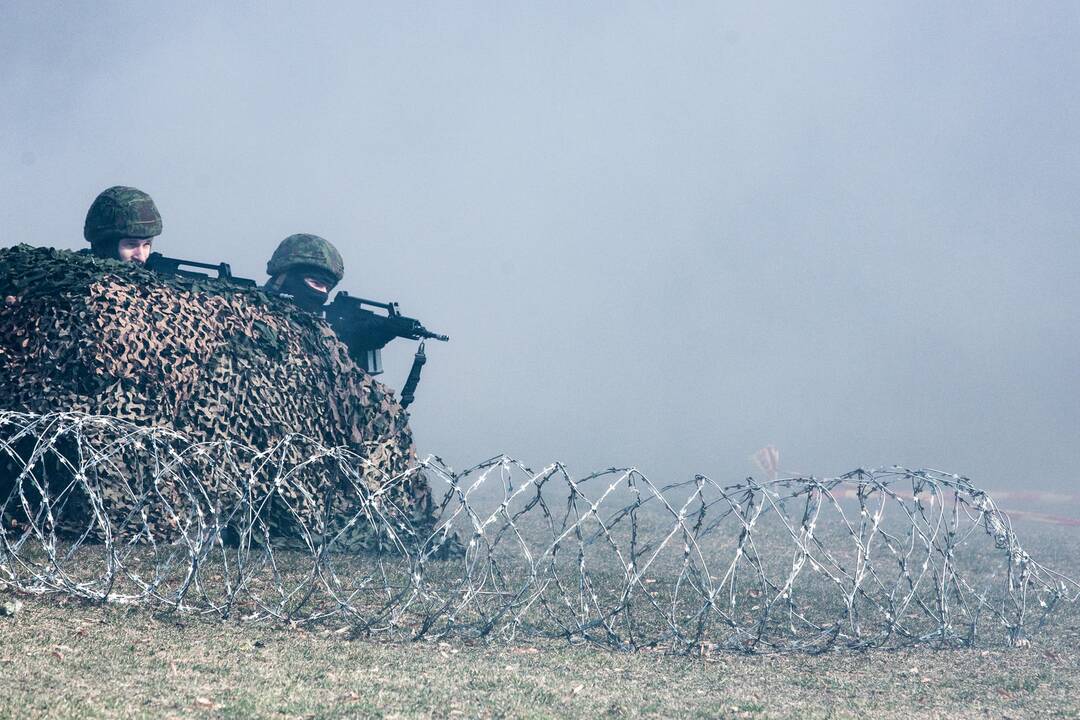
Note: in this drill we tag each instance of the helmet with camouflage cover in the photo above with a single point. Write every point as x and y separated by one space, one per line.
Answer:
121 212
304 250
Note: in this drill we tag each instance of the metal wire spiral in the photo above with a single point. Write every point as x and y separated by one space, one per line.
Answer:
874 558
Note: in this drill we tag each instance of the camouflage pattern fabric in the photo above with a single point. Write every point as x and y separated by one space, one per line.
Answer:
304 250
207 359
121 212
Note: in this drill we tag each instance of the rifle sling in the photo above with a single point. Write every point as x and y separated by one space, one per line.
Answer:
408 393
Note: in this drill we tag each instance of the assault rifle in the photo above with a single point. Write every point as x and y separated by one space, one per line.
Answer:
366 333
175 266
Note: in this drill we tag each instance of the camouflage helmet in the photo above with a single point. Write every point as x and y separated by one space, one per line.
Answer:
309 251
121 212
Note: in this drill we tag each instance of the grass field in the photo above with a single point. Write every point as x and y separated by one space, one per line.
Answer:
66 658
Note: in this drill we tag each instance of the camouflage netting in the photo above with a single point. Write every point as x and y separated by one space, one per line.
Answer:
213 360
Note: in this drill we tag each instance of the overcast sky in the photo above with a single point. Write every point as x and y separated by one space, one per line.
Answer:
659 234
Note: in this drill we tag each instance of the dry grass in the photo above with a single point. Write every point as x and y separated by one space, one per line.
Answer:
62 658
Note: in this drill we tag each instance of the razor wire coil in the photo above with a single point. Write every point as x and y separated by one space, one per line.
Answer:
106 510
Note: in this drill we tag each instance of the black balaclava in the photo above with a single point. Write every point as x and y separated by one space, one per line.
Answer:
293 285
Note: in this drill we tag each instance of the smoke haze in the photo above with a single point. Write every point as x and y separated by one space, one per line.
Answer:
660 235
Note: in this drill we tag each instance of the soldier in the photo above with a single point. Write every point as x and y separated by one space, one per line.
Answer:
121 224
306 268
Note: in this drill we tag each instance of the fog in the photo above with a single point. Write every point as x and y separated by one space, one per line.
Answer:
661 235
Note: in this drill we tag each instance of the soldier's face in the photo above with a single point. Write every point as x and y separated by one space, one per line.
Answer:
134 249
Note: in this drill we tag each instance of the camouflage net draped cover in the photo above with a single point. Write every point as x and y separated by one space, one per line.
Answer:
875 558
217 361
